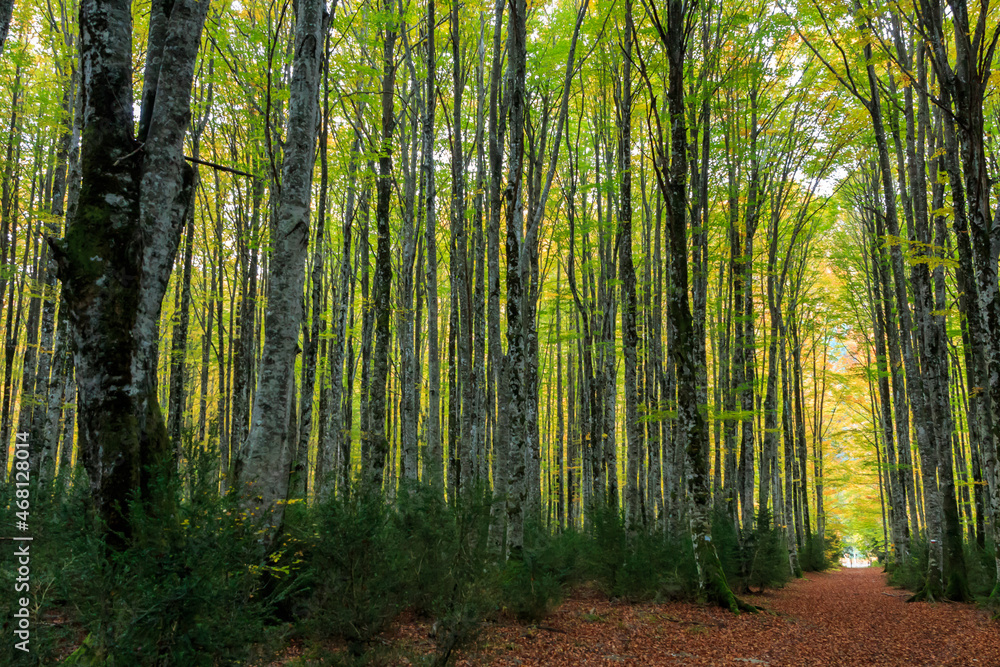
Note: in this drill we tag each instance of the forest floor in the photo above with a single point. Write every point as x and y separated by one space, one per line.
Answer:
840 618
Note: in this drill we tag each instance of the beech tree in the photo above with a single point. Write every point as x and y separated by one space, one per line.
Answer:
118 251
263 471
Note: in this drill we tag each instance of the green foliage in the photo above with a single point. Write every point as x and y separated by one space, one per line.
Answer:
757 561
980 564
531 587
181 593
533 584
451 575
765 558
356 569
911 573
981 570
607 546
649 565
194 586
367 561
818 555
57 521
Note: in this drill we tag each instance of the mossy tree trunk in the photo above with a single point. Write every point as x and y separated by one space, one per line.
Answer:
119 248
964 77
690 432
626 268
378 444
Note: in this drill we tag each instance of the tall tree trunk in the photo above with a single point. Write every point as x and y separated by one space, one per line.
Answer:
299 484
966 83
49 376
264 474
630 335
690 429
516 344
119 248
378 447
498 363
434 455
179 340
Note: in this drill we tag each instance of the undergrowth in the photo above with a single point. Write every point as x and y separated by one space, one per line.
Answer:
185 592
980 569
196 588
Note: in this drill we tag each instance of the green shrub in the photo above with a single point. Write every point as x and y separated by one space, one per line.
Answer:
757 561
606 547
365 561
355 570
818 555
184 592
57 520
452 577
727 545
530 589
981 569
911 573
657 567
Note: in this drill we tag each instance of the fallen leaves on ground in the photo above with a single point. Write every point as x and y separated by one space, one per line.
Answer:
844 618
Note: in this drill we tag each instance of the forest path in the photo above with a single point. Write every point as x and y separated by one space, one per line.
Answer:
846 617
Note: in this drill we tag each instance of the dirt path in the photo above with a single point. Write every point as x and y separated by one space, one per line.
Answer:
849 617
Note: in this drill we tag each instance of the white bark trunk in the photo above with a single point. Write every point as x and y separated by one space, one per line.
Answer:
263 476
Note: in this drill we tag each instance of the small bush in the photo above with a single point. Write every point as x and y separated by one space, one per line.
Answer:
648 564
911 573
818 554
765 559
184 592
607 548
532 584
355 572
757 561
366 561
57 521
453 578
657 567
981 569
530 589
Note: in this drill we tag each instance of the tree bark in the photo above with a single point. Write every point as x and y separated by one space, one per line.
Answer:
630 335
118 252
691 433
264 474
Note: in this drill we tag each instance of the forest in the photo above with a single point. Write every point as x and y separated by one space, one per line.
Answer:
322 321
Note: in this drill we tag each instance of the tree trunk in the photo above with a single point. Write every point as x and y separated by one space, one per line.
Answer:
630 335
690 429
264 474
119 248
